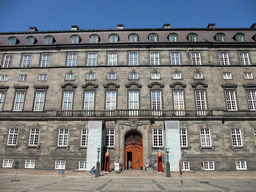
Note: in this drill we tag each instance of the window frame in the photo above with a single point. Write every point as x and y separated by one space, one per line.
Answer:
176 75
133 58
111 76
68 101
63 138
198 75
94 38
8 165
84 138
113 38
110 138
2 99
153 37
79 165
42 77
111 104
13 140
26 60
30 40
156 104
40 102
19 102
48 40
60 163
133 76
177 107
232 106
207 163
12 41
154 58
45 60
196 58
75 39
248 75
91 103
133 104
133 35
220 37
92 59
7 61
69 77
183 137
31 165
193 37
240 37
34 137
227 76
3 78
154 75
239 165
112 59
175 58
224 58
158 138
236 137
184 166
244 58
171 36
205 137
71 59
251 102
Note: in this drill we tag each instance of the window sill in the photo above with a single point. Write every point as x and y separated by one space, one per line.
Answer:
69 79
63 147
36 146
206 147
82 148
90 79
111 79
158 147
12 146
133 79
238 147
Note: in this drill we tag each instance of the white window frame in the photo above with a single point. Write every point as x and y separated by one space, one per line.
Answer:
63 137
60 164
230 97
75 39
156 100
45 60
185 166
34 137
208 165
2 97
70 76
133 38
133 58
173 37
158 137
155 75
200 97
48 40
196 58
154 58
133 76
42 77
111 100
113 38
236 137
241 165
67 103
30 164
90 76
89 100
227 75
153 37
175 58
112 59
23 77
198 75
178 99
248 75
205 135
26 60
92 59
134 101
183 137
177 75
111 76
251 96
7 61
30 41
39 101
94 38
19 101
4 78
12 41
82 165
224 58
13 136
72 58
84 137
7 163
110 138
244 58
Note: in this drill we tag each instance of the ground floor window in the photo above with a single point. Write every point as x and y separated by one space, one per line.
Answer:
208 165
60 164
82 165
30 164
185 166
241 165
7 163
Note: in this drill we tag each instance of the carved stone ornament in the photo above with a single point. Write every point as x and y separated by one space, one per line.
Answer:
133 123
133 139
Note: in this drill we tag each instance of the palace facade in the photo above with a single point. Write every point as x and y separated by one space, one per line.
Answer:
135 93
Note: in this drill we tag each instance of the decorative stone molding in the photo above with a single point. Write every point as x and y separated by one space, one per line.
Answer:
133 83
178 85
69 86
199 85
156 83
108 85
90 84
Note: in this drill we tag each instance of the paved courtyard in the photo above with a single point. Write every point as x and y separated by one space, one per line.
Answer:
36 180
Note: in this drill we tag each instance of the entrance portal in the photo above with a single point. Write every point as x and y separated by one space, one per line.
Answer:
133 153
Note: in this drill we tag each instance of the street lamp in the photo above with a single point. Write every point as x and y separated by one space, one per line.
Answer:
168 174
98 163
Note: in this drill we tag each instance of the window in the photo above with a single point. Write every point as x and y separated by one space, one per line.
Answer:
153 37
42 77
30 41
176 75
224 60
220 37
63 137
72 60
113 38
178 97
3 77
158 138
89 100
236 136
251 96
185 166
19 101
7 162
82 165
192 37
84 137
183 138
156 100
173 37
133 101
133 58
112 59
133 38
110 100
94 38
110 138
45 61
39 101
155 75
92 59
48 40
60 164
239 37
30 164
198 75
175 58
196 58
248 75
208 165
75 39
90 76
154 59
111 76
26 60
244 58
34 137
12 137
2 96
205 137
227 75
231 100
23 77
255 133
67 100
200 100
241 165
12 41
133 76
70 76
7 61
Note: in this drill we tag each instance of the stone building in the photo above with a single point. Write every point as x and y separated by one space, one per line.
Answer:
132 92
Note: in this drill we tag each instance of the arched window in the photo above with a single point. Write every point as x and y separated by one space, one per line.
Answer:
192 37
75 39
113 38
48 40
173 37
220 37
240 37
133 38
94 38
30 40
153 37
12 41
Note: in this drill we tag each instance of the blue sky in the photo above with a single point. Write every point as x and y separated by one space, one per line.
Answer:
19 15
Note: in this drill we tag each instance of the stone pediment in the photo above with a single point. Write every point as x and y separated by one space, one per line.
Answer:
133 85
68 86
111 85
200 85
90 85
178 85
156 85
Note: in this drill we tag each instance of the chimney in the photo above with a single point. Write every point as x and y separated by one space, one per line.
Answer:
211 26
120 26
32 29
253 26
167 26
74 27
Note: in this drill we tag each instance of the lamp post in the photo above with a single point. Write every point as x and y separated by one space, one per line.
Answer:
98 163
168 174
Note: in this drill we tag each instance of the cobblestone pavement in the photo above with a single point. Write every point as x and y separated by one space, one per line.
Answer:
130 180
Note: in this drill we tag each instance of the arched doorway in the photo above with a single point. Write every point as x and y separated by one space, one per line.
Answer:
133 153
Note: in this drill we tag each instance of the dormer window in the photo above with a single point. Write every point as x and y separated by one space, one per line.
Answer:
30 41
94 38
12 41
113 38
173 37
75 39
133 38
220 37
153 37
192 37
239 37
48 40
